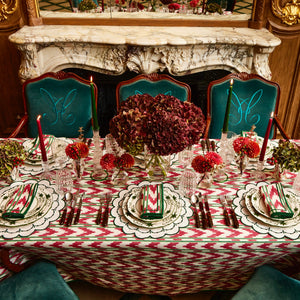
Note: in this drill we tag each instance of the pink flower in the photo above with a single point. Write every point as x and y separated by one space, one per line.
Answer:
107 161
201 164
77 150
125 161
253 149
173 6
245 146
214 158
194 3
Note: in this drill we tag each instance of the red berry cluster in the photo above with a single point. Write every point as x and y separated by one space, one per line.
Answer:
272 161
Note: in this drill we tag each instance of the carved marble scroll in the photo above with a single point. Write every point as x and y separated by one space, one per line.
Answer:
178 56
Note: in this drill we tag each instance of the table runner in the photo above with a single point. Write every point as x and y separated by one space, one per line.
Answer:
187 262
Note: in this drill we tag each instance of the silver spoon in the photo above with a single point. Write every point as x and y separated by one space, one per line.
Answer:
68 198
194 201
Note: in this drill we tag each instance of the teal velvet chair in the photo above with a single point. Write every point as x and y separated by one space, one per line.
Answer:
152 84
253 100
268 283
34 280
64 102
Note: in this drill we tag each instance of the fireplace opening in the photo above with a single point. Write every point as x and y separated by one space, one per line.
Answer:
107 90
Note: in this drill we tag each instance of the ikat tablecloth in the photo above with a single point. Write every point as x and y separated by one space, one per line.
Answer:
184 259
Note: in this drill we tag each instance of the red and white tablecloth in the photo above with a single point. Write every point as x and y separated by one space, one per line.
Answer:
186 261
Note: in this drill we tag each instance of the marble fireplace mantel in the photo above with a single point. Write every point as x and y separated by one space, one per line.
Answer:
113 49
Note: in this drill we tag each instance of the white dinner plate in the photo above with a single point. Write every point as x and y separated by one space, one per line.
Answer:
41 203
256 208
132 208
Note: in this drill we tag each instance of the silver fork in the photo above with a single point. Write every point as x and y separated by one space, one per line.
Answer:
108 198
225 212
232 213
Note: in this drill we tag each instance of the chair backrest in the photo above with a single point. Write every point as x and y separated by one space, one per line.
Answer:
253 100
64 102
152 84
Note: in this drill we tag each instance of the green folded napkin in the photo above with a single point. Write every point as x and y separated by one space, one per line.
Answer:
20 202
153 201
275 201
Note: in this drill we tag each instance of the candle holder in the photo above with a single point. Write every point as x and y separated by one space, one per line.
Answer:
46 174
226 149
259 174
98 173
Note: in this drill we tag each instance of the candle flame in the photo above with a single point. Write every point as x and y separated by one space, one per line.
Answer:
231 81
91 79
272 114
38 117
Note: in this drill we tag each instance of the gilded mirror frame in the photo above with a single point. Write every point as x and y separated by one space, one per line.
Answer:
256 20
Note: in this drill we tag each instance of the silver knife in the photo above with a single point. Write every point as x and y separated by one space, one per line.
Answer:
71 214
79 209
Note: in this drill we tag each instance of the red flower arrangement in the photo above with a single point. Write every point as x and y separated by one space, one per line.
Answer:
206 163
245 146
77 150
109 161
173 6
164 124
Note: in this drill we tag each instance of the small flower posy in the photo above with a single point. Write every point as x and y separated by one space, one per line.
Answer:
109 161
245 146
77 150
206 163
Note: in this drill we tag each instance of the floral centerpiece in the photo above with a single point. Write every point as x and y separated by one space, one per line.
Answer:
164 124
207 164
245 147
77 151
12 154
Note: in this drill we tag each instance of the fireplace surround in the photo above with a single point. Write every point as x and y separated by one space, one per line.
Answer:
123 51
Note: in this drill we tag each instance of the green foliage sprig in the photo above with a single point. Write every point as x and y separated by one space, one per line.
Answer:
12 154
287 155
86 5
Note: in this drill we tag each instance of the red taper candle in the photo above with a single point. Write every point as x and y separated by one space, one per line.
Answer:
42 144
265 143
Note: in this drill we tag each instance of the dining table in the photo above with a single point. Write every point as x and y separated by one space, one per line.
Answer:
168 256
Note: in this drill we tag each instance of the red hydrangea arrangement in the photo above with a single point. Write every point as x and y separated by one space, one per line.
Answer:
77 150
164 124
206 163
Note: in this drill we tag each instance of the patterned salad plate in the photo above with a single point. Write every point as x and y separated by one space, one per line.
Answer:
127 210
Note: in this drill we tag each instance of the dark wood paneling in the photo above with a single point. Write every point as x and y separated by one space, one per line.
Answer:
285 68
10 87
